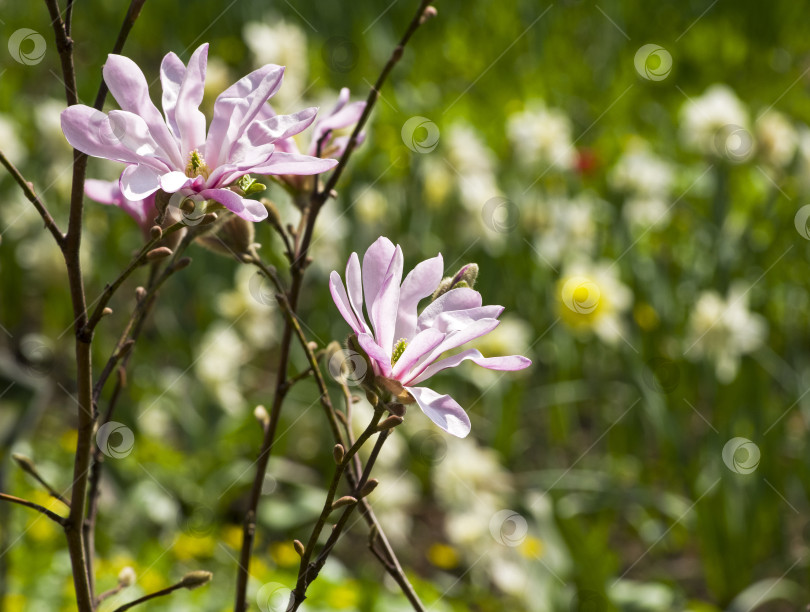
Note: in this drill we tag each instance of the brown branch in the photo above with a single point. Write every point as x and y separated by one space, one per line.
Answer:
129 21
24 502
189 581
83 582
297 266
27 466
28 190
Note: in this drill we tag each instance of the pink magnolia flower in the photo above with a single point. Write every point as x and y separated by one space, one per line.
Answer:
108 192
403 345
174 153
342 115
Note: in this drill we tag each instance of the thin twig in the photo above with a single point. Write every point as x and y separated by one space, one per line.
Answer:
28 190
28 504
138 260
27 466
298 265
189 581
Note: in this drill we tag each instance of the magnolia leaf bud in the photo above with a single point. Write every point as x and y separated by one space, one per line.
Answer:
390 423
465 277
396 408
369 487
155 232
339 452
299 547
233 237
346 500
158 253
192 580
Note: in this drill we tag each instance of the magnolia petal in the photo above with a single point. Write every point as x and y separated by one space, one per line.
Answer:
236 107
255 157
341 300
454 340
104 192
379 356
420 283
172 72
462 298
190 119
138 182
509 363
354 284
343 118
250 210
129 88
280 126
173 181
421 344
455 320
89 131
295 163
376 260
442 410
385 308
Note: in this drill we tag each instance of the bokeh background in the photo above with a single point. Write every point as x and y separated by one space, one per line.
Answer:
632 178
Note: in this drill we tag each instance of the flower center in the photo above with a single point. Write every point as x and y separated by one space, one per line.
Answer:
399 348
196 166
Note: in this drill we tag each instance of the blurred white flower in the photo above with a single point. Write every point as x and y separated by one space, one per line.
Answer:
475 165
646 212
371 205
777 139
592 298
710 120
639 172
566 227
13 148
722 330
220 357
252 306
541 135
281 43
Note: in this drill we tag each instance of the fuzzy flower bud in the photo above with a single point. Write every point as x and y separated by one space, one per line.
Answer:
126 577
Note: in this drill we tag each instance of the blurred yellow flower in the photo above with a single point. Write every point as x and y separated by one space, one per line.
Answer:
590 297
284 554
344 596
188 547
443 556
531 548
